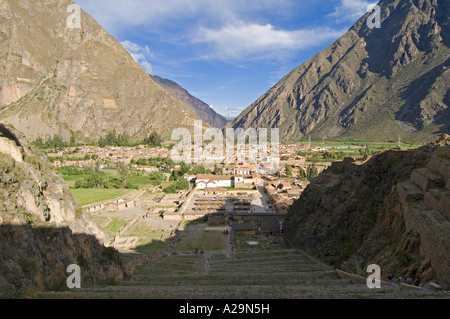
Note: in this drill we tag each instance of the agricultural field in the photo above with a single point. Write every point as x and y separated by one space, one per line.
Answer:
112 185
92 196
373 146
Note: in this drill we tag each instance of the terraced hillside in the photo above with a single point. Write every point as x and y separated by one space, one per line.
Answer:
391 209
268 271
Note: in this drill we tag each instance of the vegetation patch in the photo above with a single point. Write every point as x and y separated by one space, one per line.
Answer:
115 225
92 196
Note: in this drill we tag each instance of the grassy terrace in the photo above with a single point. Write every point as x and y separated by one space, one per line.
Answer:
91 196
266 271
87 196
375 146
138 180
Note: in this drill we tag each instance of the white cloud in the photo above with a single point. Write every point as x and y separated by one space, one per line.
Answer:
351 10
229 29
115 14
240 40
141 54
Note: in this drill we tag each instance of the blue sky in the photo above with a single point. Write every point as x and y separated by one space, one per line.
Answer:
225 52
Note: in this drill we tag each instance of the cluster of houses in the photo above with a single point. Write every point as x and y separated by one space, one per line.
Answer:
298 164
207 181
240 176
266 227
283 193
115 205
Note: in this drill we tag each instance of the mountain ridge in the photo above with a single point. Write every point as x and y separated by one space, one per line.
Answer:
203 110
371 84
58 80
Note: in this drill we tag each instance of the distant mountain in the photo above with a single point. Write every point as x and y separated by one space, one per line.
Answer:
60 80
371 84
229 119
203 110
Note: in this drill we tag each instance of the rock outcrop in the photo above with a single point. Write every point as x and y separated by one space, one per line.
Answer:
371 84
55 79
391 209
41 231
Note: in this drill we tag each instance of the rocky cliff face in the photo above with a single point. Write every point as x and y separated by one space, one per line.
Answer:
57 80
371 84
203 110
41 232
392 210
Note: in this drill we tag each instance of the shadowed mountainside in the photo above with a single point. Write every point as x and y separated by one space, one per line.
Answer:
391 209
203 110
41 231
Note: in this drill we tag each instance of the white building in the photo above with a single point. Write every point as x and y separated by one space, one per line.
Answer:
246 169
209 181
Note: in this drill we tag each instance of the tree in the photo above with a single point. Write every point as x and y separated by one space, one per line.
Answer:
218 170
199 169
302 173
177 174
182 184
112 139
109 140
312 172
170 190
185 168
123 171
156 178
154 140
95 179
123 140
142 162
289 170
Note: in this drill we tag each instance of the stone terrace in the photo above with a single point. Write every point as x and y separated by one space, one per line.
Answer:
426 204
267 271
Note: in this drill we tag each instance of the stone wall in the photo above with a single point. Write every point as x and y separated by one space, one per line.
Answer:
432 246
391 209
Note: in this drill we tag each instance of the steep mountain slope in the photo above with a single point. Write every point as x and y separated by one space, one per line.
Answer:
41 232
391 209
371 84
55 79
203 110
